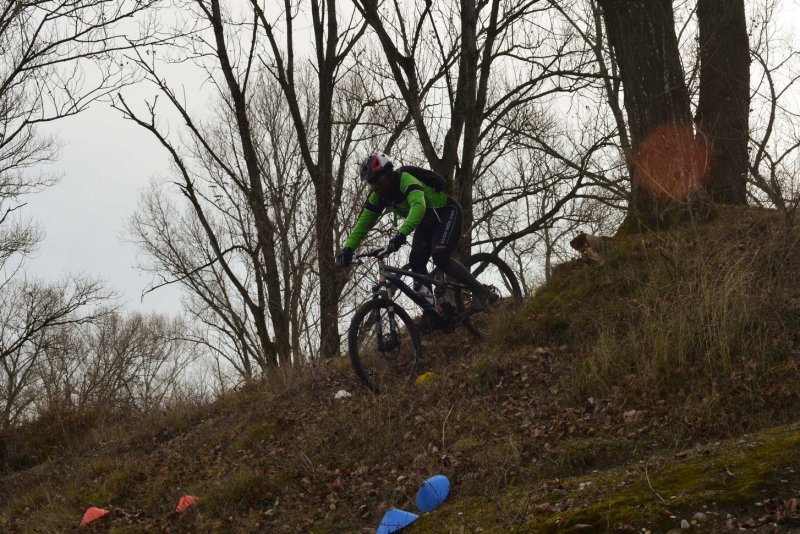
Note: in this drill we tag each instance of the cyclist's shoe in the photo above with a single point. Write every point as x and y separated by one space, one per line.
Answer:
430 321
482 299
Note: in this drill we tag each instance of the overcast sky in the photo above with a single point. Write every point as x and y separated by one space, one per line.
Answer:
105 162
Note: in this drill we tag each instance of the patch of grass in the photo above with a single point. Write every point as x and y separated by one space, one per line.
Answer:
242 491
54 517
109 480
120 483
697 321
51 434
19 506
729 478
581 455
259 433
486 371
697 308
162 490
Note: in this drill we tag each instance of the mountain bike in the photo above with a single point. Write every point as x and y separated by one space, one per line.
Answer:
385 344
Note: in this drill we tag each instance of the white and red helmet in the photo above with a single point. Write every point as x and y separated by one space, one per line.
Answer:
375 164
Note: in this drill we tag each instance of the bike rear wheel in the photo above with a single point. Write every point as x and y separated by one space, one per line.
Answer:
384 344
499 278
491 271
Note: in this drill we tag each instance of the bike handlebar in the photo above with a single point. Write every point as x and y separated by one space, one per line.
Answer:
380 253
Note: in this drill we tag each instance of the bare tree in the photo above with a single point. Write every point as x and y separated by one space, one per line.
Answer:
177 245
57 57
545 183
775 126
178 248
217 251
241 170
586 22
289 194
461 68
29 312
116 364
335 36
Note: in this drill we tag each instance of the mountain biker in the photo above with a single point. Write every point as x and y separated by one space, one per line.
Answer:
433 216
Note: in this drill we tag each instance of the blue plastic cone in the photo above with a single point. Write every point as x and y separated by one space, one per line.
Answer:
394 520
432 493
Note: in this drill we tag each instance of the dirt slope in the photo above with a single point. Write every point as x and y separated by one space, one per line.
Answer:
564 418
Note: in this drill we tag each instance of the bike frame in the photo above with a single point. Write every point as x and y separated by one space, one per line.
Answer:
391 277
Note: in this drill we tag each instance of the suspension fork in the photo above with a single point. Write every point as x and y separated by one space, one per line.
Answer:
380 290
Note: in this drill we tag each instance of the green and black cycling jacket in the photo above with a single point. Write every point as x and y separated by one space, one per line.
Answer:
411 202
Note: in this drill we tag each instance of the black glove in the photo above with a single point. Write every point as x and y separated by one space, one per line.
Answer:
345 257
396 242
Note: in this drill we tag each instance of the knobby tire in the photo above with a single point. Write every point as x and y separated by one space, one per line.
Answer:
487 267
379 370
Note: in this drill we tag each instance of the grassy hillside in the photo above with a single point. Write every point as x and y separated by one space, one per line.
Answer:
656 387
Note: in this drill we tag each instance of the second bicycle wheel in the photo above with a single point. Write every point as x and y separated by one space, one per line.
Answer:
493 272
499 278
384 345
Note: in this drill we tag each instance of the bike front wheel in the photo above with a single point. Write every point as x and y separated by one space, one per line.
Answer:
384 344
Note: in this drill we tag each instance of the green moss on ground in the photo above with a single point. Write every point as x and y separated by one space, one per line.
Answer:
725 476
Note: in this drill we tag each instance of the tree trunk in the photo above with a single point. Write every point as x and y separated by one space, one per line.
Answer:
724 106
668 182
470 118
331 47
331 281
264 227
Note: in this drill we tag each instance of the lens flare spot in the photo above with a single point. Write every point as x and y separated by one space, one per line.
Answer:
672 162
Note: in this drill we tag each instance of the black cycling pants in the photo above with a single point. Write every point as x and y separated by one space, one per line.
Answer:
436 237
